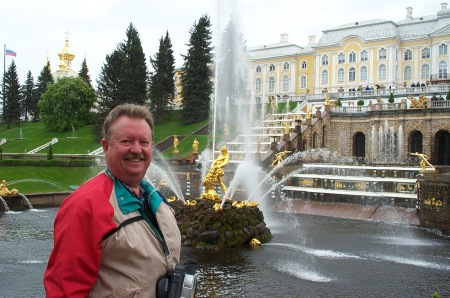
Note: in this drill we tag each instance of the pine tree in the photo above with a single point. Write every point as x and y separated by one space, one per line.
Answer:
12 97
391 98
196 73
161 80
123 78
27 96
84 73
45 78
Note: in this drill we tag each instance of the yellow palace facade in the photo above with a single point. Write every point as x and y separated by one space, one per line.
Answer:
358 56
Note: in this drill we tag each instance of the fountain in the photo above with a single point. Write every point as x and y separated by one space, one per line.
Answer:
13 193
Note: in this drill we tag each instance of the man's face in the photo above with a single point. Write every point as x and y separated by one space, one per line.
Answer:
129 149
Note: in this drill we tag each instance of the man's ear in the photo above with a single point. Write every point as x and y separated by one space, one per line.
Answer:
105 146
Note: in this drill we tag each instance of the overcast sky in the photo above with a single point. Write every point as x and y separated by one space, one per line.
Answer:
34 28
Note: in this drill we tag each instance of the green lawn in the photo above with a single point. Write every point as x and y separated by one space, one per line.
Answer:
80 141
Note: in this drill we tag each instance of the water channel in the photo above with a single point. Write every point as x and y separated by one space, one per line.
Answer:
309 256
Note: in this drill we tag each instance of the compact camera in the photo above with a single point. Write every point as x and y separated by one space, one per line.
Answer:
178 283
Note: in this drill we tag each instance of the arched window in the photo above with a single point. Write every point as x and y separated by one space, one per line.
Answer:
258 69
341 58
303 65
407 75
325 60
425 72
271 84
352 74
382 72
416 144
315 140
341 75
286 66
442 70
352 57
271 67
425 53
364 56
363 73
359 145
285 83
303 81
408 55
258 85
382 53
325 77
443 50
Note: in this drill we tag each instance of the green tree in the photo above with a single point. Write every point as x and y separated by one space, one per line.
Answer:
66 104
123 78
162 80
44 80
27 95
11 96
196 73
391 98
84 73
448 95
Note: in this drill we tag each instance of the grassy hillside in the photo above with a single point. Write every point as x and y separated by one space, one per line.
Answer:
31 135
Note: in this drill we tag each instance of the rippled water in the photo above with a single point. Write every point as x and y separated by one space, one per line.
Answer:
309 256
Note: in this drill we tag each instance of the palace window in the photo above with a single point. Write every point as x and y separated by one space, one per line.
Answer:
285 83
352 74
425 72
364 55
325 60
258 69
442 70
271 67
382 54
286 66
363 73
303 65
382 72
341 58
271 84
407 73
352 57
425 53
325 77
341 75
303 81
442 50
408 55
258 85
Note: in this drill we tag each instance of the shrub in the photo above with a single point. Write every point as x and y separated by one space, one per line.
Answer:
391 98
360 102
50 152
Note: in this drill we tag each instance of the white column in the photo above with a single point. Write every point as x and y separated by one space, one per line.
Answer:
434 54
372 66
332 73
391 66
416 70
293 84
317 74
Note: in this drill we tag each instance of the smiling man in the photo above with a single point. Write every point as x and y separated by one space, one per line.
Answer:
115 235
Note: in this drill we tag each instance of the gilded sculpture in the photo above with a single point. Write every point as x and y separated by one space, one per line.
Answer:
279 157
417 103
424 162
4 191
215 175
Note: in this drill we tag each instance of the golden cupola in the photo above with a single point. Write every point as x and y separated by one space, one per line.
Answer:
65 64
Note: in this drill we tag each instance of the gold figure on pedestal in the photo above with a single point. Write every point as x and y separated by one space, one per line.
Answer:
215 175
279 157
195 146
175 144
327 99
4 191
424 162
308 112
287 128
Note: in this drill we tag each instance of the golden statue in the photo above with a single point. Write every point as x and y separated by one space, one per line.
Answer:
195 146
4 191
279 157
424 162
308 112
215 175
327 99
286 128
175 144
417 103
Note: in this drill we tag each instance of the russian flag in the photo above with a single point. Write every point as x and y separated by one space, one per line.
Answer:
10 53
